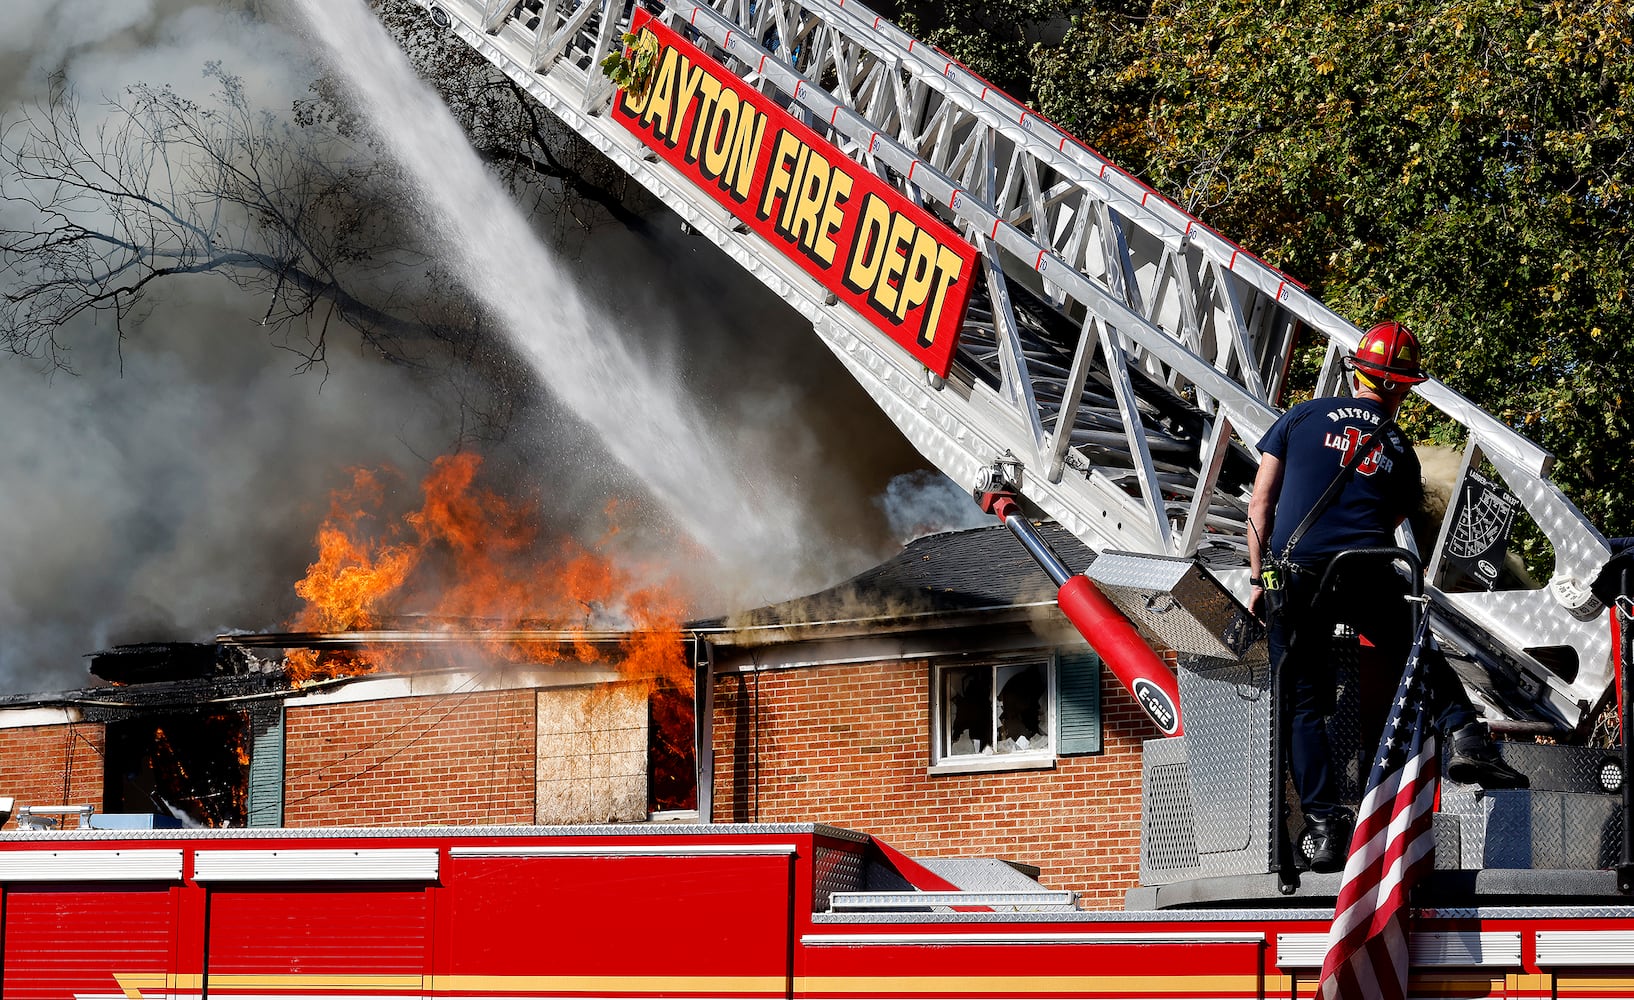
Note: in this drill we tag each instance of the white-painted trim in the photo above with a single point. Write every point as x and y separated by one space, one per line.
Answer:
633 851
1563 948
25 718
373 864
1055 899
90 866
1026 760
819 940
1000 638
457 682
675 816
993 762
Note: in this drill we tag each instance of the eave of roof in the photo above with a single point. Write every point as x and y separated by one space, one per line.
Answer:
720 634
936 581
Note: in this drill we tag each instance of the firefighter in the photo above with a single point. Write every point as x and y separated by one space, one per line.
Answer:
1309 462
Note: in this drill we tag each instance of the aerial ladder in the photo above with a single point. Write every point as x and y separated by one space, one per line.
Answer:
1116 359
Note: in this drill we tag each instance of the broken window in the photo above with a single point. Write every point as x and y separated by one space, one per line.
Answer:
193 766
993 708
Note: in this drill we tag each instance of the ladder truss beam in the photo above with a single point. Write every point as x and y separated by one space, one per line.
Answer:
1126 355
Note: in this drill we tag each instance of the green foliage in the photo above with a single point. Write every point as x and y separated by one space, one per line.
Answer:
999 41
1466 166
631 67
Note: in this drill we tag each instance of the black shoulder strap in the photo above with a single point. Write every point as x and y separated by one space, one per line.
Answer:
1362 448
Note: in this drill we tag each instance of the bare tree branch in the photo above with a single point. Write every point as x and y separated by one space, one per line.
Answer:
91 219
102 205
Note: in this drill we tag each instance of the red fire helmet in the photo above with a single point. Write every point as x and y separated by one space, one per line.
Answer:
1387 358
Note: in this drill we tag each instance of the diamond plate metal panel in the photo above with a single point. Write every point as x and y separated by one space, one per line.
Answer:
1575 830
1563 821
1176 600
1448 832
1168 828
1029 901
1228 713
1535 829
1229 806
1508 841
1532 912
1558 768
1232 793
836 869
1134 571
1459 803
980 874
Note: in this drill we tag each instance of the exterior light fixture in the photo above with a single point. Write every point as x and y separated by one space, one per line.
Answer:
1611 774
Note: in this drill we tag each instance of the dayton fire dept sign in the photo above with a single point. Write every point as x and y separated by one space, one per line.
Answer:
866 242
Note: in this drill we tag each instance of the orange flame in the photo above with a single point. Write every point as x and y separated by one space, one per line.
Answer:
469 553
356 573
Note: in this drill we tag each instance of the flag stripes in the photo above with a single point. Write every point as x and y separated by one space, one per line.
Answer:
1393 846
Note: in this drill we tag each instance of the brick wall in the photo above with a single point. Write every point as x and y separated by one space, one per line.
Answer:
52 765
463 758
850 745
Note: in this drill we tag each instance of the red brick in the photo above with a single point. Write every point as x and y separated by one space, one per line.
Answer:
848 745
53 765
464 759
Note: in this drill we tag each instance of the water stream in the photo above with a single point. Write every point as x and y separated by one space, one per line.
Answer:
647 421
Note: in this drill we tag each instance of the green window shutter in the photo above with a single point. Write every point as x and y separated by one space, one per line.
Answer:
265 802
1078 702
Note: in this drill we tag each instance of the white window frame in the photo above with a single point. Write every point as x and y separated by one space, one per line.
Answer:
942 762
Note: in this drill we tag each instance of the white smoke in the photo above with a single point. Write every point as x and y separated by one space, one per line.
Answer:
41 36
170 489
925 502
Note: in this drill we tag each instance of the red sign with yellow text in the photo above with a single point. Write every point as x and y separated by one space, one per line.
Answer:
865 241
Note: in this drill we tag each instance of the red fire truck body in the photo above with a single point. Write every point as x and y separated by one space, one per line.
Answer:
742 912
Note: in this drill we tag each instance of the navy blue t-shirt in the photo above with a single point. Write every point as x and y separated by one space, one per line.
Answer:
1314 440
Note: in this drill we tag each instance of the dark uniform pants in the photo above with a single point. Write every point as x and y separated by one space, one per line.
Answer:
1369 595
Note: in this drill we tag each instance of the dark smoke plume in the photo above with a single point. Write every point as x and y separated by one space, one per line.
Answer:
169 488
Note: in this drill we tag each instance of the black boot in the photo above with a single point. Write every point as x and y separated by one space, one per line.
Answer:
1472 759
1327 841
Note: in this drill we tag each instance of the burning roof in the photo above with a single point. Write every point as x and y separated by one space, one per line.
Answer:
980 569
464 556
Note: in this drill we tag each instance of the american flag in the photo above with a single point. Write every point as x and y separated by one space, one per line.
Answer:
1392 847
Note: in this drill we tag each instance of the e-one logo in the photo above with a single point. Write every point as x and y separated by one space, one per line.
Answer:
1157 705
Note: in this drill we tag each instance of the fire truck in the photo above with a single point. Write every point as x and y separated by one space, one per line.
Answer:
748 911
1045 329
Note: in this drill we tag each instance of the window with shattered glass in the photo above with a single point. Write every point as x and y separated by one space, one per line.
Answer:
993 709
